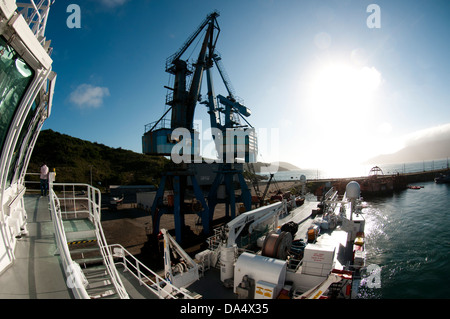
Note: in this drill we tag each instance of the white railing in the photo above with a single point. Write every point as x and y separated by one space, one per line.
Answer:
36 15
75 280
80 199
76 200
159 286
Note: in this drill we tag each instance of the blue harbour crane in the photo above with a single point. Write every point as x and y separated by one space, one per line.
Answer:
235 143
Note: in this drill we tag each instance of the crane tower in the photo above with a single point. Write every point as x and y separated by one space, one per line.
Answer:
234 143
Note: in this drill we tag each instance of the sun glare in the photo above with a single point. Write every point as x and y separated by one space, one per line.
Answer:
344 91
340 104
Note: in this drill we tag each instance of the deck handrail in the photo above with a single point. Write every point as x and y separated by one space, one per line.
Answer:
75 281
156 285
93 197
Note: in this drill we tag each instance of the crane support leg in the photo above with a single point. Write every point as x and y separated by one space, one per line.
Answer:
205 212
246 195
212 196
231 194
226 174
155 210
178 214
178 183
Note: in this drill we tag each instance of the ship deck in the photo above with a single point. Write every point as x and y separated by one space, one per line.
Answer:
210 286
37 272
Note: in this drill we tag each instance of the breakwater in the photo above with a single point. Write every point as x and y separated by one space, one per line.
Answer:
392 182
414 177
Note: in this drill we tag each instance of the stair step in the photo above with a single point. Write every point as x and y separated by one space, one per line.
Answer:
89 261
81 240
83 235
102 291
99 282
85 252
84 249
98 278
95 269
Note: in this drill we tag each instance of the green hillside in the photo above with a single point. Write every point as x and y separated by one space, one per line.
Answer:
73 158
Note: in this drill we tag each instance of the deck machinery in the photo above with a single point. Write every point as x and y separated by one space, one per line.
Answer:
178 137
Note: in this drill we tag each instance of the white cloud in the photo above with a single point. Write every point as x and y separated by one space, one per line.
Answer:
436 133
89 96
113 3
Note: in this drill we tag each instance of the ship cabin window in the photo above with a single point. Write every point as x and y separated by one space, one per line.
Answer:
15 77
22 144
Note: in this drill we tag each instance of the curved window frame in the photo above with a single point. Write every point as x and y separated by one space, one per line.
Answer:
15 96
20 151
41 77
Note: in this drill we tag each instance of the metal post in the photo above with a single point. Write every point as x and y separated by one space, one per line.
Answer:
205 213
212 196
158 199
178 214
245 193
231 195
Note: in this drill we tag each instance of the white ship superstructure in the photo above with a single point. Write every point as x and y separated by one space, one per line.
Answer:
26 89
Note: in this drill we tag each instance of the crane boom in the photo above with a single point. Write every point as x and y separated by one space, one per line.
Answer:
200 66
224 75
191 39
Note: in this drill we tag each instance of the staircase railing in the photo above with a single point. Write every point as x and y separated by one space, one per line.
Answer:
75 279
162 288
79 199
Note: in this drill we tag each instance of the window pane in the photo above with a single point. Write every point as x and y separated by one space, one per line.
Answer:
15 77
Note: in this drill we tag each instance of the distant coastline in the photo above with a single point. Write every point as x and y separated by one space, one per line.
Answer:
282 166
422 151
360 171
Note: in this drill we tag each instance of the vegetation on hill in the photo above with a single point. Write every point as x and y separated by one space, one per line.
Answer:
74 159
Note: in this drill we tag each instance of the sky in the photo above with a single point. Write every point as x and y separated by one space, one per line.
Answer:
329 83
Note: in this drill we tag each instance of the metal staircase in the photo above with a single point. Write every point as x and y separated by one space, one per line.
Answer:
87 259
90 263
85 251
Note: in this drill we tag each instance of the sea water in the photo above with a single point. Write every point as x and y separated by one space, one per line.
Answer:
408 239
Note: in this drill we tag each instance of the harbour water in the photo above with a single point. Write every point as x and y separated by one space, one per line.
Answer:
408 241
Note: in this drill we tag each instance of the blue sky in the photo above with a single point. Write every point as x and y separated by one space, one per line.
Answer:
332 90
